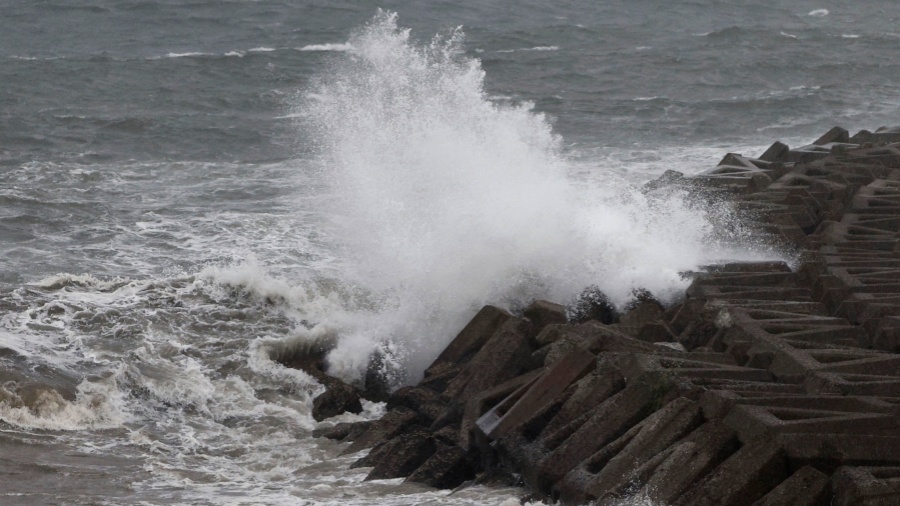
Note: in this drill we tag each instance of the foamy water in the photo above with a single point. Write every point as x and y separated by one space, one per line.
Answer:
298 181
445 201
426 200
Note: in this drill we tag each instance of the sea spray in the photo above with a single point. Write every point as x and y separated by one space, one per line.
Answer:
444 201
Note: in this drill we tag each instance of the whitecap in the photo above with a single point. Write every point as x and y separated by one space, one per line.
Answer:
788 35
849 36
536 48
818 13
327 47
446 200
186 55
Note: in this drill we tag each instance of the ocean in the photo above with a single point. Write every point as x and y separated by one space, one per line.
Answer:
190 189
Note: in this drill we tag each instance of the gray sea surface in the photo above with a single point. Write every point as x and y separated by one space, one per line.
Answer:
191 188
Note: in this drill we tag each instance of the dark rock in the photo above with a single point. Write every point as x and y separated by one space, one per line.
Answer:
668 178
377 383
390 425
518 408
344 431
550 334
309 358
447 468
836 134
776 152
479 403
447 436
600 426
866 486
657 332
743 478
473 336
411 397
641 311
383 450
592 304
438 376
591 336
543 313
450 417
506 355
400 456
617 465
685 463
338 398
806 487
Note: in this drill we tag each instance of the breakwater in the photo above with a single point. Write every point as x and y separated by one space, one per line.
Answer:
766 384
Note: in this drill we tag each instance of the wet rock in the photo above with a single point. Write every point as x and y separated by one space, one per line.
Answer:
438 376
543 313
506 355
743 478
377 384
446 468
389 426
760 383
668 178
411 397
473 336
873 486
420 399
550 334
591 336
643 310
447 436
344 431
806 487
836 134
337 399
616 466
776 152
592 304
400 456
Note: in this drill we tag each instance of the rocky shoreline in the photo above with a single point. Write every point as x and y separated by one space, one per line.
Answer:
765 385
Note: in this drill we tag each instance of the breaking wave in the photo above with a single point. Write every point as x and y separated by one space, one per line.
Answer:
443 200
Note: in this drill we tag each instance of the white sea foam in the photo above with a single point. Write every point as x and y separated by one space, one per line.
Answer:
536 48
818 13
445 200
327 47
186 55
98 405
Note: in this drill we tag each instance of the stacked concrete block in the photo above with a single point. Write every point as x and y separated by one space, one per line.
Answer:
768 384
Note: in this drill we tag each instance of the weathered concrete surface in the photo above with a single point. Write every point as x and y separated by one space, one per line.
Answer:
766 385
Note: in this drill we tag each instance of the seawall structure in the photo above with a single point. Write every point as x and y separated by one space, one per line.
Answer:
766 385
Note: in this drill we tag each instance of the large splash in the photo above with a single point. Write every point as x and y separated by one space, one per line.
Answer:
444 200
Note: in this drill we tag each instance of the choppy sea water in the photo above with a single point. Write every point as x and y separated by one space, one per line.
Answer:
188 188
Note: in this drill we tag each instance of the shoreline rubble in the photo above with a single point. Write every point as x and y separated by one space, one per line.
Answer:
763 386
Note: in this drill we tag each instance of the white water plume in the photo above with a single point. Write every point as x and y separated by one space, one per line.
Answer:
444 201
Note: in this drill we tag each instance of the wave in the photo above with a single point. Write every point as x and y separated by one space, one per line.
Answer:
536 48
327 47
445 200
